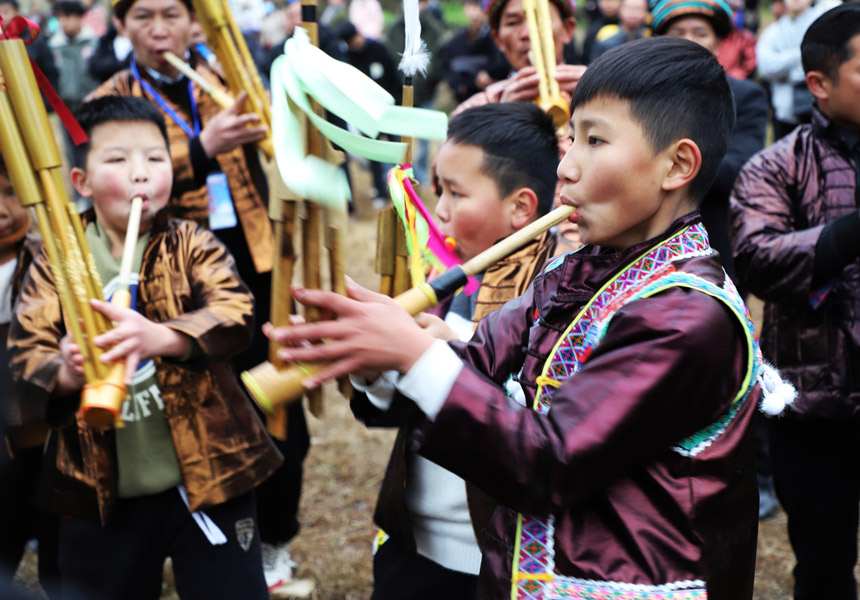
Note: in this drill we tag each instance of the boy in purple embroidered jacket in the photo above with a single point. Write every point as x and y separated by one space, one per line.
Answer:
629 473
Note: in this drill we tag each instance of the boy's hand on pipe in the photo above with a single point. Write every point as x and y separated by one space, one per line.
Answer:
372 334
135 338
71 374
435 326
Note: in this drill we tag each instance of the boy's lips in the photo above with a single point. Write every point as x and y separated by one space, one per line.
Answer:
144 200
573 218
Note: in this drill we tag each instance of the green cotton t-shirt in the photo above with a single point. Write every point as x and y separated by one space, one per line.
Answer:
146 458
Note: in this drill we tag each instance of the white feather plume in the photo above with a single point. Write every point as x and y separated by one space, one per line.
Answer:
416 58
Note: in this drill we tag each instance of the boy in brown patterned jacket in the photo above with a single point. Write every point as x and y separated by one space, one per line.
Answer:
191 441
214 157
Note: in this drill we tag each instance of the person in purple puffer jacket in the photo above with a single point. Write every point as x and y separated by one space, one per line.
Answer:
797 246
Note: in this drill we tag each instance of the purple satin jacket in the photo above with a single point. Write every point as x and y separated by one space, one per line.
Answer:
783 198
630 512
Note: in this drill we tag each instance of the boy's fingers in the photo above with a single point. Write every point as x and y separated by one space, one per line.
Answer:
120 351
114 313
315 352
301 332
335 370
108 338
362 294
336 303
131 362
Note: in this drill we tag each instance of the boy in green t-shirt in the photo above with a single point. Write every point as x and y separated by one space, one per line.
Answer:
134 496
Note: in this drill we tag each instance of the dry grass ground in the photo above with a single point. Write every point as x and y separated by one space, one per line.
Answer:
344 469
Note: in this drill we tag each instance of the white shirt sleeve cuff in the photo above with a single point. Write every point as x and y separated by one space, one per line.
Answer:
380 393
431 378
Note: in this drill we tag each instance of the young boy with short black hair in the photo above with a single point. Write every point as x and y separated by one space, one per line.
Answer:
629 471
494 175
191 442
796 230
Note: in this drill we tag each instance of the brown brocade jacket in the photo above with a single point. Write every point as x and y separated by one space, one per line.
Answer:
240 165
188 282
503 281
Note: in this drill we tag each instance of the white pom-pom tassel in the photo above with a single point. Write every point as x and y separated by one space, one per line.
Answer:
777 393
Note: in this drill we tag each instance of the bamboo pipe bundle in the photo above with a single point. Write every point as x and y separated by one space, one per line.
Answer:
542 53
33 160
240 71
315 233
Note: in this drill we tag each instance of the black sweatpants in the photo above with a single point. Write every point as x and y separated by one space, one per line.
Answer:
816 469
401 574
21 520
125 558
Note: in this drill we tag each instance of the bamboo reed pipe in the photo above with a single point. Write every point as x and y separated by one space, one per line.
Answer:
271 387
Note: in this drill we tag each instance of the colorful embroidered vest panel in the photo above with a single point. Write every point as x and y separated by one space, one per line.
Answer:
533 576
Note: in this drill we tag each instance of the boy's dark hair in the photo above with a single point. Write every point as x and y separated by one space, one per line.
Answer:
825 46
69 8
13 3
115 108
519 145
676 89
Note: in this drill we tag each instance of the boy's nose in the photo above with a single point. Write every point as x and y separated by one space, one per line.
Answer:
567 169
139 171
441 210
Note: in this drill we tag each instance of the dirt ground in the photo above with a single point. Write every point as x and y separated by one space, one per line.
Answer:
345 466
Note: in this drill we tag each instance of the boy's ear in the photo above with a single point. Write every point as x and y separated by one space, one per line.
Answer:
569 25
819 85
523 204
81 182
685 161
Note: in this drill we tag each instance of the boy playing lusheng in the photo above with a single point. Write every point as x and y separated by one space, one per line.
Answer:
796 228
219 183
494 174
629 471
187 423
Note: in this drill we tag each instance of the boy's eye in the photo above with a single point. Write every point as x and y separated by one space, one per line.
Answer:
593 141
116 159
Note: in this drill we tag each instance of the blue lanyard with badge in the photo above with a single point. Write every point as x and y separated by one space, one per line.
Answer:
222 214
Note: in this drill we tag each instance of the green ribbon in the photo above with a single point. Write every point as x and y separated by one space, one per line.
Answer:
304 72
